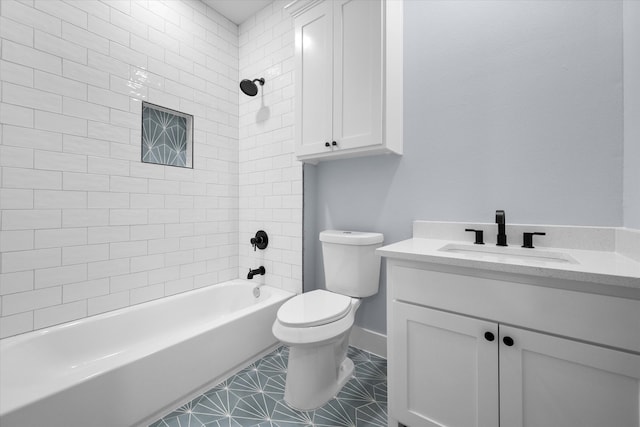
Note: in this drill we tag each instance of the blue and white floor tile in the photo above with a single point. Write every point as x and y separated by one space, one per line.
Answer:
254 397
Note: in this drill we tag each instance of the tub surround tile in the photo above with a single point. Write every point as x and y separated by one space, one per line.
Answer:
31 179
15 115
106 303
84 181
147 293
21 281
31 219
83 254
72 181
270 176
85 217
48 277
55 199
59 314
255 397
31 98
16 324
85 290
16 73
19 240
68 88
31 300
30 260
16 198
14 156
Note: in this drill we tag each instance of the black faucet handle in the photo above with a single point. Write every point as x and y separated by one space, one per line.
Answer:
260 241
499 216
527 239
479 236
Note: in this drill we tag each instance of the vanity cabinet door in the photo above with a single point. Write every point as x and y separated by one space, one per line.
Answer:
443 371
547 381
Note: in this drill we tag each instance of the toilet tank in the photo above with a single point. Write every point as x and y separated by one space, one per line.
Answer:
351 265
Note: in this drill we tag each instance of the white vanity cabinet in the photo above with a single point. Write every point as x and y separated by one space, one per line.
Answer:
552 381
348 96
441 371
468 348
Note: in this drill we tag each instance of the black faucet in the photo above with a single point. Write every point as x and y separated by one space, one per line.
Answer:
259 270
502 236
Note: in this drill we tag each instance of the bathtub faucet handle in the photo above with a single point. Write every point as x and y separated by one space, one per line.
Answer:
260 241
260 270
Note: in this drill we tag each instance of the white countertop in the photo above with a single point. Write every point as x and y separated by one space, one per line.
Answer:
593 266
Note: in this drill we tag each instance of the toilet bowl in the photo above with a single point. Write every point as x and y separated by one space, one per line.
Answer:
316 325
318 339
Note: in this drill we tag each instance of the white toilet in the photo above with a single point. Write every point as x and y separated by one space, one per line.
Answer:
316 325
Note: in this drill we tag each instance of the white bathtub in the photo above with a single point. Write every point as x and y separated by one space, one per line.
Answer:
124 367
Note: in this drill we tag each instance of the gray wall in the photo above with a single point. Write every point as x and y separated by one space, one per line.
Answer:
508 105
632 114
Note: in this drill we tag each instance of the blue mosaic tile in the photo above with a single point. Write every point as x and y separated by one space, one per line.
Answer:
254 398
165 137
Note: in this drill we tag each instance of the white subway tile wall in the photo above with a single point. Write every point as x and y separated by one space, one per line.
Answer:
270 176
85 227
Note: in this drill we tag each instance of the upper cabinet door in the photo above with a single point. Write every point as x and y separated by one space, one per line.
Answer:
314 67
357 72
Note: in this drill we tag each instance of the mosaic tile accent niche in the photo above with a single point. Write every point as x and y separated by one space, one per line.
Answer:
254 397
167 136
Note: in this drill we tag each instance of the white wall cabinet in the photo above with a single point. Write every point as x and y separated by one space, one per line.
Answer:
470 369
348 95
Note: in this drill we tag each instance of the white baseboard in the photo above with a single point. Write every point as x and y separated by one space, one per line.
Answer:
368 340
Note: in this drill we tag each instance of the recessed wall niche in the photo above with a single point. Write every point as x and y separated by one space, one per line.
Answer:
167 136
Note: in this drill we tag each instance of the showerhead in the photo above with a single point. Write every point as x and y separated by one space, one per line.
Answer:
249 87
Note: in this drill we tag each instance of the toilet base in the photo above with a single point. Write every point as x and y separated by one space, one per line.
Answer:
315 374
346 371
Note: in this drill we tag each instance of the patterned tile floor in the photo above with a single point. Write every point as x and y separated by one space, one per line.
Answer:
254 397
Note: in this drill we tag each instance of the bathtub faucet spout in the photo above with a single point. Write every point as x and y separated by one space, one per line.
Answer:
259 270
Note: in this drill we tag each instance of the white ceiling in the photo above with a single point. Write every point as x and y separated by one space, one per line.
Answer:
237 11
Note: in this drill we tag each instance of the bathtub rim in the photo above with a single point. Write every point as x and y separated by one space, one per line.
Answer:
15 339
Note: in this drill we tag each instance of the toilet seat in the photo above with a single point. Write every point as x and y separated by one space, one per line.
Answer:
314 308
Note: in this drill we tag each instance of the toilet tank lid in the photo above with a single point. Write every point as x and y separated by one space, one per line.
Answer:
351 237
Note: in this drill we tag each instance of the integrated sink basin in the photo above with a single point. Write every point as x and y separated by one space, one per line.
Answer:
506 254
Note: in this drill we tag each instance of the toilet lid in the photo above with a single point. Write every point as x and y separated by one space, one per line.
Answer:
314 308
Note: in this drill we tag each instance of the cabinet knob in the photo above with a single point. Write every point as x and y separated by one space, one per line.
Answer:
334 143
489 336
326 144
508 341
